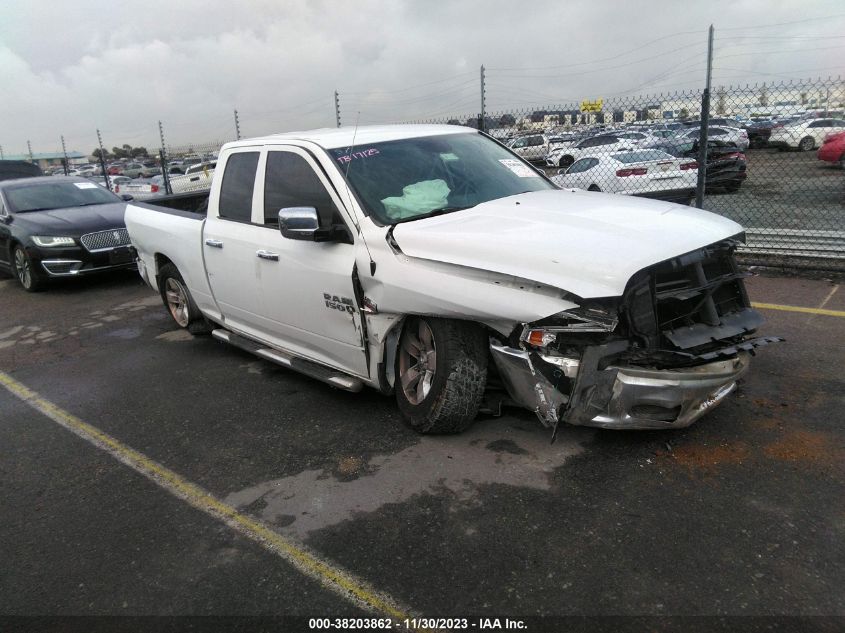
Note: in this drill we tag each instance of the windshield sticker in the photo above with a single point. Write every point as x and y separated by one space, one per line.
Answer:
448 156
85 185
364 153
523 171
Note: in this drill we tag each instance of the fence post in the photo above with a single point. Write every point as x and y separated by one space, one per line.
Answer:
29 147
64 153
103 161
337 108
705 120
237 126
483 102
163 156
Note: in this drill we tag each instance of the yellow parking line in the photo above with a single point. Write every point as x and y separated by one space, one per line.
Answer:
775 306
308 563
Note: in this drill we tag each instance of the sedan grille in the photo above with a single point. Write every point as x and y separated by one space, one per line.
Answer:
104 240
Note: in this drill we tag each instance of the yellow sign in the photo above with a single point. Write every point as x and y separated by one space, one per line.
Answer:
592 106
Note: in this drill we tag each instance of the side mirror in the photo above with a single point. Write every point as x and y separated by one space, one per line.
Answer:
299 223
303 223
127 198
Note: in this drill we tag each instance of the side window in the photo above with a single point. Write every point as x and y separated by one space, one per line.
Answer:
817 124
585 164
291 182
520 142
535 141
238 183
606 140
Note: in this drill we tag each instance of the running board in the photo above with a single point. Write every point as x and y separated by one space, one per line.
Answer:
309 368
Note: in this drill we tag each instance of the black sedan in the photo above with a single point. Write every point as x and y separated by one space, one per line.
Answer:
726 164
54 227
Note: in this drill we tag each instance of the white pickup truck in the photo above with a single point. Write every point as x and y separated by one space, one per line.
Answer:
433 263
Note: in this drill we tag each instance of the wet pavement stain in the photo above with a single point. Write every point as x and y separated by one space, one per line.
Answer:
460 464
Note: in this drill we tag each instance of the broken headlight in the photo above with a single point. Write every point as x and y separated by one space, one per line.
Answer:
583 319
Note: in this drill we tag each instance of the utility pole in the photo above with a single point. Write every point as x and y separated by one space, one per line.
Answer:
161 134
103 160
705 121
64 153
337 108
483 102
237 126
29 147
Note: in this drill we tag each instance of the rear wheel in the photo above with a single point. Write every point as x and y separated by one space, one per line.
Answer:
807 143
565 161
179 303
441 374
593 188
25 271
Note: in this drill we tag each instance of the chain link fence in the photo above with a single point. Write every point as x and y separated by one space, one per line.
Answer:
774 158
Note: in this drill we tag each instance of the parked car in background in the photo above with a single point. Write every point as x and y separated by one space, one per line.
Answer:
603 143
114 181
533 147
142 188
737 136
197 178
805 134
148 171
132 170
759 132
726 164
59 226
833 149
649 173
557 141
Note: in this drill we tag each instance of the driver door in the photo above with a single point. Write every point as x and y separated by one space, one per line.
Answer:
308 298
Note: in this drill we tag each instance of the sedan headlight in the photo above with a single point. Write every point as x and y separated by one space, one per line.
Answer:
51 240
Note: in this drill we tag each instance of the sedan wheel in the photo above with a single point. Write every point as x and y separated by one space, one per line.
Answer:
24 271
807 143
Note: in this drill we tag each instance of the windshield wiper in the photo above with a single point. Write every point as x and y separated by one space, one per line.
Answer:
37 209
434 212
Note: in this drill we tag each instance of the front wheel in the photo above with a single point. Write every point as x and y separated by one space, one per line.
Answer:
25 271
179 303
565 161
441 374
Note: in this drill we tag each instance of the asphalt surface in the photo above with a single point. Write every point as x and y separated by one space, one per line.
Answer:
739 515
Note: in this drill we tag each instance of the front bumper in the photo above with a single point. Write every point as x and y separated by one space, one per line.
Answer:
618 397
76 261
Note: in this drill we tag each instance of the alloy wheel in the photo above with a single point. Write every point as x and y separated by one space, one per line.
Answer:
177 301
417 362
23 268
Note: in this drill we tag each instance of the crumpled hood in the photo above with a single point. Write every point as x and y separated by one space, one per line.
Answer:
589 244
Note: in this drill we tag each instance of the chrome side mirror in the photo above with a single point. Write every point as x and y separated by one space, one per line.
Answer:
299 223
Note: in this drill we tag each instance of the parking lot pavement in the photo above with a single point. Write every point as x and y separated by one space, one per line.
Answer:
740 514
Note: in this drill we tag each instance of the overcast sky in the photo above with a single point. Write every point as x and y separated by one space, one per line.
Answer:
70 68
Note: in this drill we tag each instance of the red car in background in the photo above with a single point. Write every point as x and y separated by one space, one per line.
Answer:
833 149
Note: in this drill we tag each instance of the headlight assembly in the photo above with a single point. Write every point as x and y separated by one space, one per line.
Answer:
51 241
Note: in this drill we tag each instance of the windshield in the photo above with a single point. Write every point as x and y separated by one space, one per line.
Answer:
60 195
397 181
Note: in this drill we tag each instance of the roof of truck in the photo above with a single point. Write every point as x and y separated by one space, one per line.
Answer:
331 138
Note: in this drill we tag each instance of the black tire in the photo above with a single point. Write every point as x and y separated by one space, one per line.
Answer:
25 271
594 188
807 143
459 379
565 161
187 315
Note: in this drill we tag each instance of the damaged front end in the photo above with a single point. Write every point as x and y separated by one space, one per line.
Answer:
672 347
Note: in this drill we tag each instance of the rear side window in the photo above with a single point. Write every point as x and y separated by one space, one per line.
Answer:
582 165
291 182
238 183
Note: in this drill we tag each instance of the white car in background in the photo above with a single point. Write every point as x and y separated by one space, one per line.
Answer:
649 173
737 136
603 143
805 134
532 147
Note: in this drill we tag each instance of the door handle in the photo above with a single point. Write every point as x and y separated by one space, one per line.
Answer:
273 257
214 243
